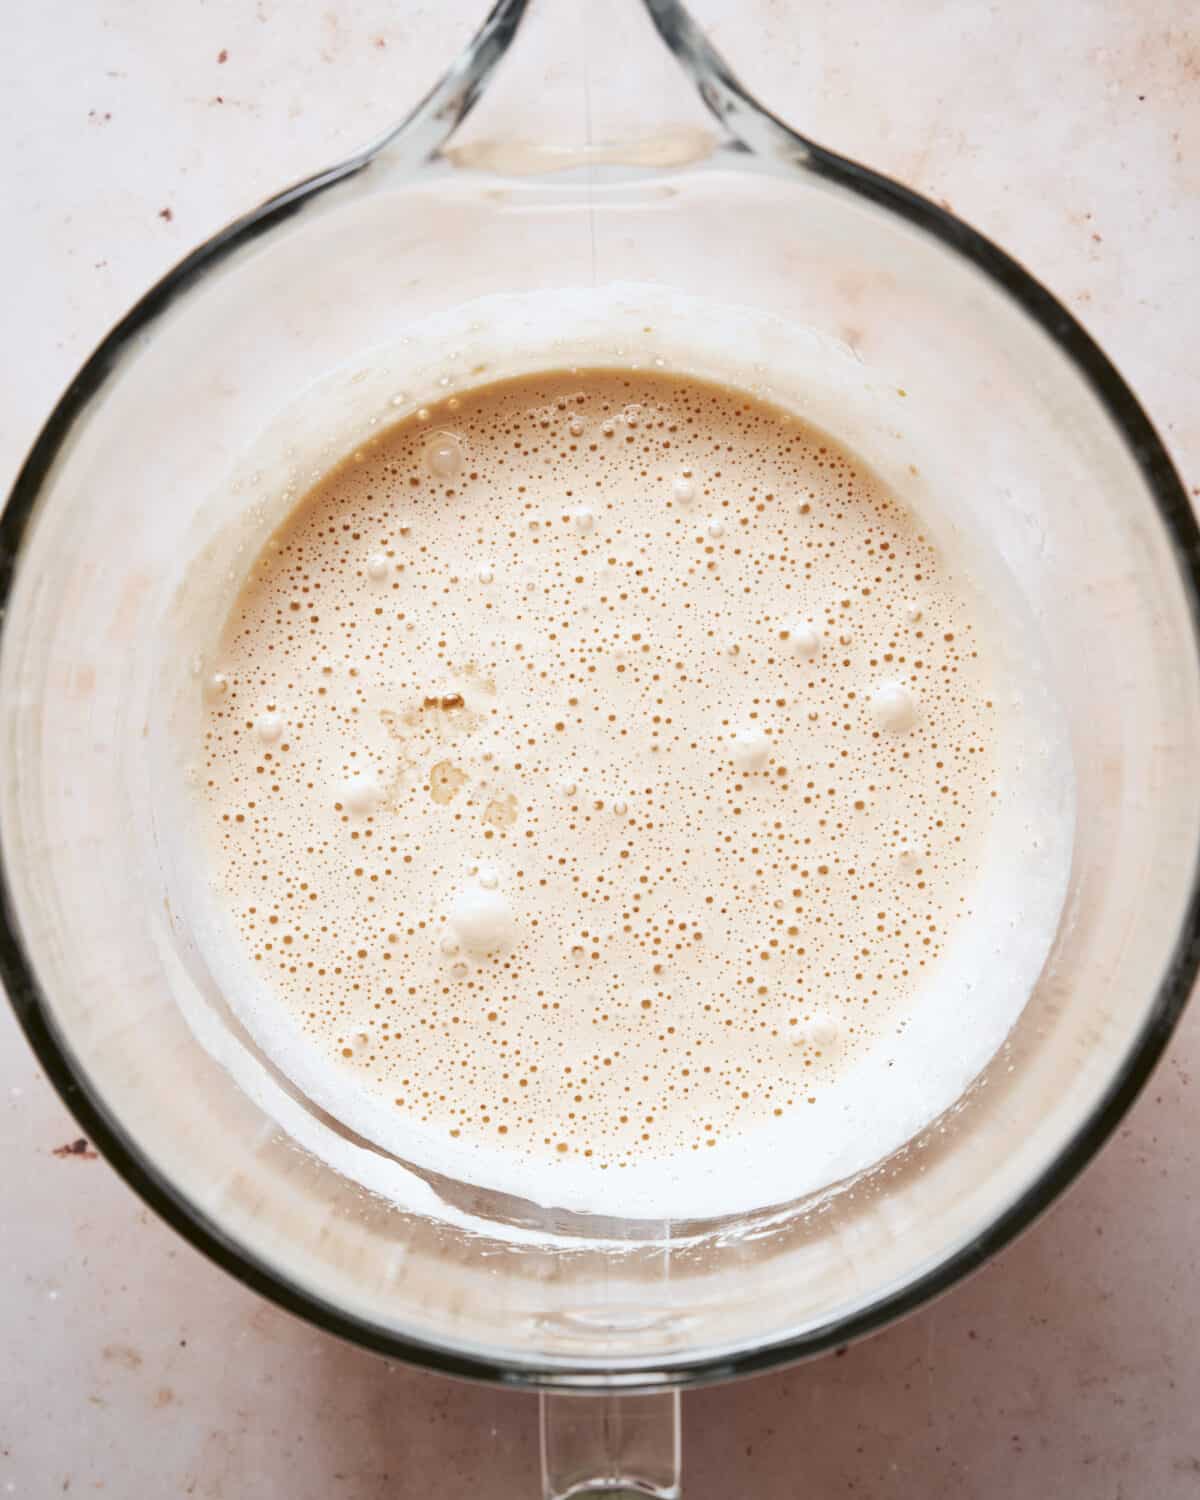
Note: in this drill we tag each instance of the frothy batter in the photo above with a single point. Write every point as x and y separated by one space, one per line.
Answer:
599 767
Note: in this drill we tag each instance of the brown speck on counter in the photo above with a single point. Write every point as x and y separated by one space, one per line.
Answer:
78 1147
122 1354
223 55
166 215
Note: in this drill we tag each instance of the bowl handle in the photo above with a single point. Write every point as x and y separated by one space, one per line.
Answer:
612 1446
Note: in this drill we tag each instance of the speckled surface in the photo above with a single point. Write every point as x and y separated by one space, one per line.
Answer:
128 1365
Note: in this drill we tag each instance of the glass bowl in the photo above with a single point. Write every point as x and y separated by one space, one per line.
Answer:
716 235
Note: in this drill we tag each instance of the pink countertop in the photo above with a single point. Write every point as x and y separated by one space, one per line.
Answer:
1069 1367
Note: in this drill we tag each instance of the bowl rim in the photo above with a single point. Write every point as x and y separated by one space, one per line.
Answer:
102 1125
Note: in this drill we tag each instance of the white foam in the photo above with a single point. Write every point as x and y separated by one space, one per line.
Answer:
269 727
684 489
894 707
482 919
750 749
359 793
805 639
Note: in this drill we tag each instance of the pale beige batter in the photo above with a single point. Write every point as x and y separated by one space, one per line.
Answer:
598 765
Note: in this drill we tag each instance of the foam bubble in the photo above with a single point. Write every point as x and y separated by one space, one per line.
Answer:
822 1030
804 639
444 455
482 920
750 750
269 727
683 488
358 794
894 708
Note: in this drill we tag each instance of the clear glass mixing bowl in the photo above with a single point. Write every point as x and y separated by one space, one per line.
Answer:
170 431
